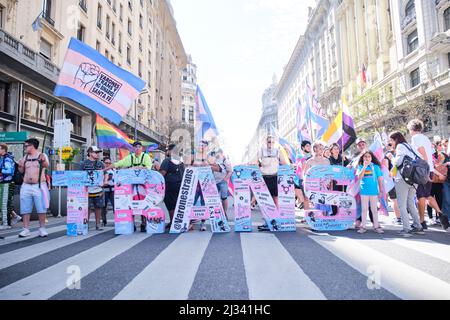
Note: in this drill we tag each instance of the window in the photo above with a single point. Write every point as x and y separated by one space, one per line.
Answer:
35 109
129 27
99 16
45 49
108 20
140 68
130 5
76 122
4 89
120 42
113 34
129 54
2 17
183 114
98 46
114 6
107 54
141 21
112 59
149 83
83 5
415 78
121 12
410 9
47 12
80 32
191 114
412 41
447 19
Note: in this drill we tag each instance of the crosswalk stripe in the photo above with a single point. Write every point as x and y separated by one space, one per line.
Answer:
171 275
395 276
34 234
427 247
266 280
50 281
32 251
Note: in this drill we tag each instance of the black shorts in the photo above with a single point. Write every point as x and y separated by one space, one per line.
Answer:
299 186
392 194
171 197
424 190
272 185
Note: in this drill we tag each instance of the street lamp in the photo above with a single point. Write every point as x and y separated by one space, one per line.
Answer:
145 91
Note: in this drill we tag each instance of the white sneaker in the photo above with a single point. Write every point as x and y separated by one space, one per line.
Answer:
43 233
5 227
25 233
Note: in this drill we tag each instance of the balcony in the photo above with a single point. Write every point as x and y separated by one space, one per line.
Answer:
144 129
46 16
19 52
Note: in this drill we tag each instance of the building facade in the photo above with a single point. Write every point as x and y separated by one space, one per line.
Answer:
137 35
314 63
266 125
189 90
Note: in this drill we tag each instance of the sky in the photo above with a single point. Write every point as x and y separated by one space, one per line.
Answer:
238 45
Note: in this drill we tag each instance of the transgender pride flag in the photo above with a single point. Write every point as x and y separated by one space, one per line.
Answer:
93 81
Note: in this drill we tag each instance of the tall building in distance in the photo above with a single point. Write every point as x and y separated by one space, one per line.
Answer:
268 122
189 90
139 36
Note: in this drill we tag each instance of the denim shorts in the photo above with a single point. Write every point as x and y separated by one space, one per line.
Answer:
31 194
97 202
222 187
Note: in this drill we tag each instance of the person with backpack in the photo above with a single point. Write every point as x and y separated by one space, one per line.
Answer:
172 168
8 173
137 160
34 189
424 147
96 194
404 187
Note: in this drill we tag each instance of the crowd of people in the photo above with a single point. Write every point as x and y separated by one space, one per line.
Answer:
409 200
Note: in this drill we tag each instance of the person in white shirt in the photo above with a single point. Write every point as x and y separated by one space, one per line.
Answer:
424 147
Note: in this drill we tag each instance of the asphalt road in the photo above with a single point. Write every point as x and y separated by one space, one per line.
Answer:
202 266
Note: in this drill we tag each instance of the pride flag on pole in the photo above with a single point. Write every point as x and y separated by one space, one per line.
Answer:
109 136
205 127
90 79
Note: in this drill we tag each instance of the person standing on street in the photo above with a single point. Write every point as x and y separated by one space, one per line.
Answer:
96 194
34 186
422 144
222 177
172 168
138 160
7 171
108 188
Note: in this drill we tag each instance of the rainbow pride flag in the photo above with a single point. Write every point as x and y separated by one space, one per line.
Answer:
109 136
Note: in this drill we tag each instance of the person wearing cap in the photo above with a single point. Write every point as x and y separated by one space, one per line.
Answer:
136 160
172 168
96 194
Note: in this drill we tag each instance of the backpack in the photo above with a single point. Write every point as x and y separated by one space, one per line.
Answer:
18 176
414 171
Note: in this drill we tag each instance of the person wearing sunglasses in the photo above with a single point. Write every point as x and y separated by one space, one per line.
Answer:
32 166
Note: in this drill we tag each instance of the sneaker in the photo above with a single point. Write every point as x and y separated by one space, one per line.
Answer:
5 227
25 233
98 228
379 230
405 234
43 233
417 231
444 221
398 221
424 225
362 230
203 227
264 227
16 219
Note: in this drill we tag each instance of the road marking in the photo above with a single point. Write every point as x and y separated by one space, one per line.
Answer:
48 282
34 234
171 275
13 257
397 277
272 274
427 247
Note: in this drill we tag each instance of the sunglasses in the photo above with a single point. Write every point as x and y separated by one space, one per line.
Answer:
27 145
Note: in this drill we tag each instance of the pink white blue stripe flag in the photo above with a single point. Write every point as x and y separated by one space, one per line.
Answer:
90 79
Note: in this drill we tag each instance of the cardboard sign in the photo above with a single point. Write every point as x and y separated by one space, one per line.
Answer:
278 219
185 207
77 197
138 193
318 183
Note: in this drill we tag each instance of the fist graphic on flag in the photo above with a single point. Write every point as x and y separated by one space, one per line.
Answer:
87 73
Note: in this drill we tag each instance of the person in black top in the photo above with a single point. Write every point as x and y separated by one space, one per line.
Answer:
172 168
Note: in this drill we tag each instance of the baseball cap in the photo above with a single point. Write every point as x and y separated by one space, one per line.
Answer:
137 143
94 149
